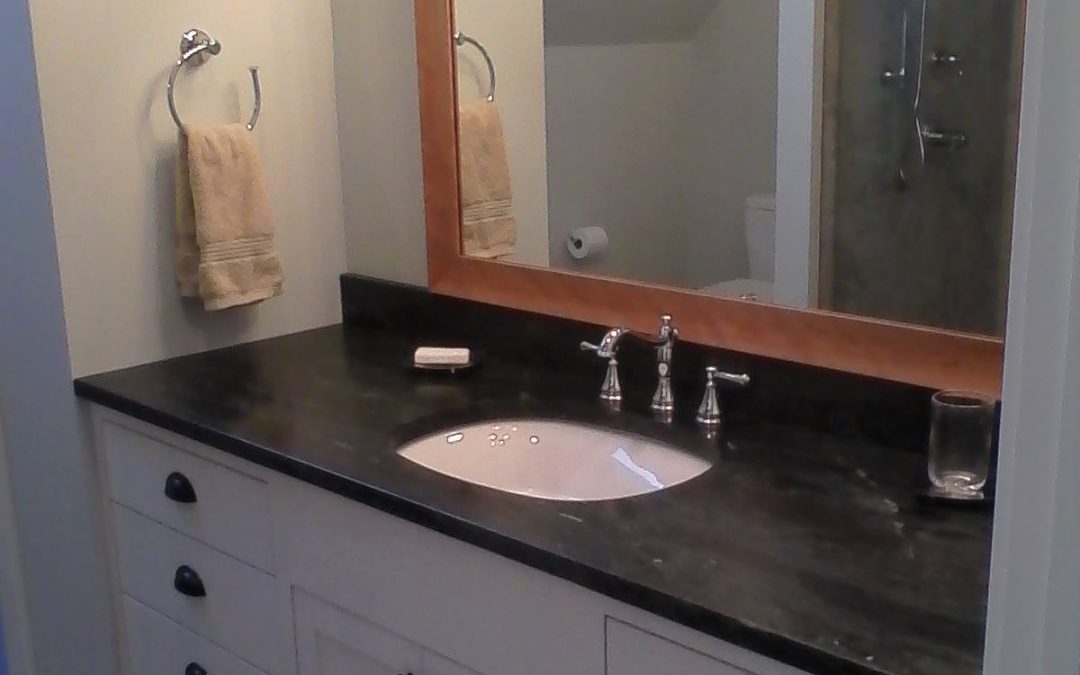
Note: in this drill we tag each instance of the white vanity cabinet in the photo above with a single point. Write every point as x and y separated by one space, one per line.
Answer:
332 641
223 567
633 651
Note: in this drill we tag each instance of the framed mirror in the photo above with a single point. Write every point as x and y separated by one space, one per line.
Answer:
822 181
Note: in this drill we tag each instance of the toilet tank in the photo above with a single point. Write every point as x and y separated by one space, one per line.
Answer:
761 236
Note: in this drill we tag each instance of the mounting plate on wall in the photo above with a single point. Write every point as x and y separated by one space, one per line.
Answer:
197 38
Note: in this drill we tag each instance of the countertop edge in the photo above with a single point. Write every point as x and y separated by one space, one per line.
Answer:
677 610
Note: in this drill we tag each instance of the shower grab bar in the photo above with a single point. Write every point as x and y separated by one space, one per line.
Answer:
196 48
462 39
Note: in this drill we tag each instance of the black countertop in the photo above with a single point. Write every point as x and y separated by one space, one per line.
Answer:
808 548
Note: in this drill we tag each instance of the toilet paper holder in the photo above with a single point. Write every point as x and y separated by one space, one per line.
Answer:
587 242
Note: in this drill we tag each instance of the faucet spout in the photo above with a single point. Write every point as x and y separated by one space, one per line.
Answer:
663 342
609 345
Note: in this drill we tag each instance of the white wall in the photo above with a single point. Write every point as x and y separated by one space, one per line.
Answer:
86 272
798 189
1034 604
52 479
381 156
662 143
111 146
733 118
513 32
375 53
615 22
617 144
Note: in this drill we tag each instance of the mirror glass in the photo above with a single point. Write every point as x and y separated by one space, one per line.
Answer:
856 156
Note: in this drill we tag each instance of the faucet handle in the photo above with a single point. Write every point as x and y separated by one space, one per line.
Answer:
611 390
740 380
608 345
709 412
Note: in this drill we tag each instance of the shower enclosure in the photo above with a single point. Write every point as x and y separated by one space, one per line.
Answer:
921 107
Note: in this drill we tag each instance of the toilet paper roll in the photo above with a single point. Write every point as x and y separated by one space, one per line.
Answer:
587 242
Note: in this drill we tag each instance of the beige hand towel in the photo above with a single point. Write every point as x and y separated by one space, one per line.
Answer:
225 248
489 227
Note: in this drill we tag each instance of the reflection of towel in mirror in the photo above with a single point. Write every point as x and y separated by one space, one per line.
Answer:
225 238
489 227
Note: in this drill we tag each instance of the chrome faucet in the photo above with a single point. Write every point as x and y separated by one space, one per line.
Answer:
608 348
664 342
709 413
664 399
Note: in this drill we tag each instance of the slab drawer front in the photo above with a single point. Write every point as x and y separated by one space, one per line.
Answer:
231 511
160 646
228 602
632 651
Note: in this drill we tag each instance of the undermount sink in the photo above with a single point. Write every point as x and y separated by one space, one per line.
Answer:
553 460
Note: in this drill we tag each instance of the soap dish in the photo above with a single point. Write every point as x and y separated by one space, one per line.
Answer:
448 370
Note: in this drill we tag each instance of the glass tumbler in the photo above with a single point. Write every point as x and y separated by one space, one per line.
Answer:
960 437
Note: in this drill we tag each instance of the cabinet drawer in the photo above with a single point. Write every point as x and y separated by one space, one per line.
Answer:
230 603
331 641
632 651
159 646
231 511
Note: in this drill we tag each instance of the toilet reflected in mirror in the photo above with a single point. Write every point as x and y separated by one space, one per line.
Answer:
760 228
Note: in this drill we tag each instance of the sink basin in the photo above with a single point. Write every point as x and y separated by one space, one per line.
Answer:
554 460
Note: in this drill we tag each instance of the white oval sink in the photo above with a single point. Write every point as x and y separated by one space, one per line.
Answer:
558 461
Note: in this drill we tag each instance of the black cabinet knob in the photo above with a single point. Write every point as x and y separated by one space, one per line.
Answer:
189 583
195 669
179 489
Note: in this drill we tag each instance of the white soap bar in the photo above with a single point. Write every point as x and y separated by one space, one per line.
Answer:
441 356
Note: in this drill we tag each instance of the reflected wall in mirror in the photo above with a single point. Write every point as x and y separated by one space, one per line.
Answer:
847 155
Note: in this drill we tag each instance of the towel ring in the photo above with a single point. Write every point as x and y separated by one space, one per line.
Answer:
462 39
196 48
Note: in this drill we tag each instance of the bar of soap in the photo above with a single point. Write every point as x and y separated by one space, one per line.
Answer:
441 356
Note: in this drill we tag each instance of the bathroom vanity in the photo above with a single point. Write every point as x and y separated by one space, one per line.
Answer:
263 521
294 579
307 505
822 193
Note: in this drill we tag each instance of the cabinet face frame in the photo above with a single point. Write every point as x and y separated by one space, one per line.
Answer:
892 351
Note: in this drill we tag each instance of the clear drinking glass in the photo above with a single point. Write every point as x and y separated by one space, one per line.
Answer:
960 439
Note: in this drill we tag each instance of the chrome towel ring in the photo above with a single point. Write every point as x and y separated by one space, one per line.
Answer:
196 48
462 39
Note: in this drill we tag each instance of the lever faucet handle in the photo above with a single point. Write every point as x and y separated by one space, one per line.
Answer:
611 390
608 345
709 412
740 380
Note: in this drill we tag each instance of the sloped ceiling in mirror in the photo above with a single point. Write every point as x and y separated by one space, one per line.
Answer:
612 22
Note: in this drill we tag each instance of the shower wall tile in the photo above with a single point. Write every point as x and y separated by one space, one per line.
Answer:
931 247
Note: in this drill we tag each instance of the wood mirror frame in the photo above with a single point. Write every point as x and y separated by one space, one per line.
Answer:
892 351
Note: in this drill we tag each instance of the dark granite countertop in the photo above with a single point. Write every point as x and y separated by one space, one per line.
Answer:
805 547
